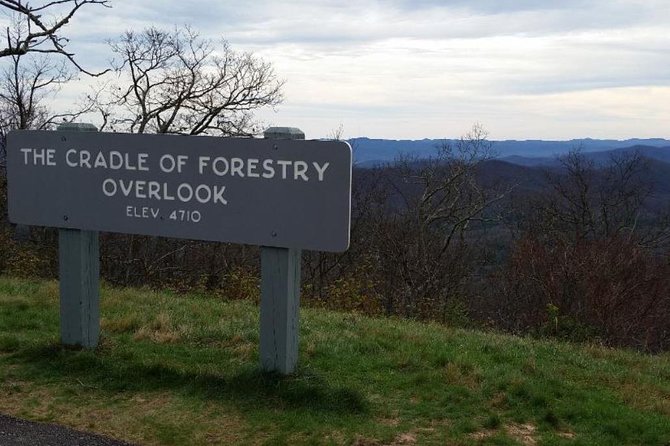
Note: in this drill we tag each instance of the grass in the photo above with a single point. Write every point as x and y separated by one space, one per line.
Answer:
182 370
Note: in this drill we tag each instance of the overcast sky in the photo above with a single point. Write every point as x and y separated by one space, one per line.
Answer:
406 69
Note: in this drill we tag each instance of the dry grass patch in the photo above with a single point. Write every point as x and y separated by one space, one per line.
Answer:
457 375
161 330
129 416
645 396
240 346
16 301
499 401
390 421
51 290
125 324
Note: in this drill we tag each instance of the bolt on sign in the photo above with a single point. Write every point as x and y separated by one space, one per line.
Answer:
282 193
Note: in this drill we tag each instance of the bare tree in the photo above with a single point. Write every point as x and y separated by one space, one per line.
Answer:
26 84
30 74
36 28
433 204
181 83
587 200
337 134
23 88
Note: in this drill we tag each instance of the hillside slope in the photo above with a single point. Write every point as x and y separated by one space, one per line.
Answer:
181 370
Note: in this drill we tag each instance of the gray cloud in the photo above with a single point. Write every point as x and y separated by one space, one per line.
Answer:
335 23
443 58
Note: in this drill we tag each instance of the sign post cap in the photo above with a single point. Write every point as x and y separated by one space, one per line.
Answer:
284 133
76 127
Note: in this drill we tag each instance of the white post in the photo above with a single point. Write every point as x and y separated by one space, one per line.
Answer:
79 274
280 309
280 295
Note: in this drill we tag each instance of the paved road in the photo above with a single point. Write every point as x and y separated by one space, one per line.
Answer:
17 432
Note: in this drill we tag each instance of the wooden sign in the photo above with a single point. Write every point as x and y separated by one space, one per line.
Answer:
281 193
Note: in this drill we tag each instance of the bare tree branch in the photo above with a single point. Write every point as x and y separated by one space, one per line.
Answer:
25 84
432 205
182 83
33 32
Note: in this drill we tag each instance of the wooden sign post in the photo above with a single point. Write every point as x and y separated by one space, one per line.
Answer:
79 274
280 295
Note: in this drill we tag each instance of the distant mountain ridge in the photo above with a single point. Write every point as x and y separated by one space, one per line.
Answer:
369 151
599 157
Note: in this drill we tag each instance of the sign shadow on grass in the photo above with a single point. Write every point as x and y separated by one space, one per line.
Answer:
119 372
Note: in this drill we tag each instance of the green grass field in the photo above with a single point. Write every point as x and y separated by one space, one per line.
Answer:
182 370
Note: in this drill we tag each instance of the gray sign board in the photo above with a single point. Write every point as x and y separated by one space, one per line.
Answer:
283 193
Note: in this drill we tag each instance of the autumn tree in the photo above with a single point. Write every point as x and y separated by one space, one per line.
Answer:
178 82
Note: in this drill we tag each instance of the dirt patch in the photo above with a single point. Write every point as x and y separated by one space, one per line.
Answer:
523 433
363 441
404 439
568 435
482 435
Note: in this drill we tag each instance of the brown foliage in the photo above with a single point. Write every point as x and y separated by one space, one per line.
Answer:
610 288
